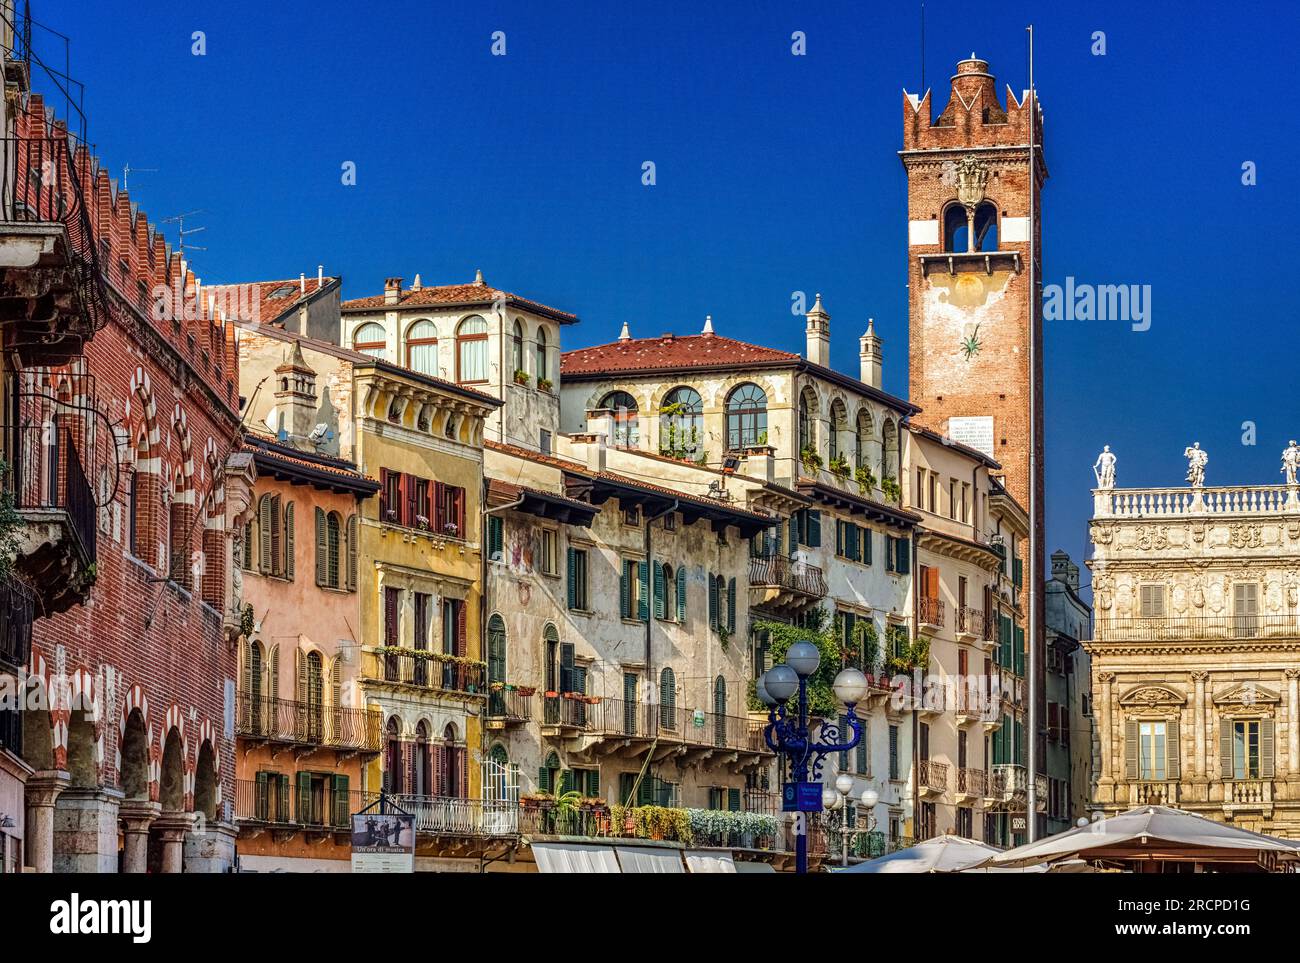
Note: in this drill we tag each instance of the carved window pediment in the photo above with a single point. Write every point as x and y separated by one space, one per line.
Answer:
1152 697
1247 694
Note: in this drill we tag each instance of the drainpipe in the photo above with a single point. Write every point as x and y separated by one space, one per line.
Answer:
650 575
483 581
916 742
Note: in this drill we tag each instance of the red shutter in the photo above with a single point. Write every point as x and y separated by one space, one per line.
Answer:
390 616
438 518
408 767
408 502
383 494
439 765
459 512
430 506
461 608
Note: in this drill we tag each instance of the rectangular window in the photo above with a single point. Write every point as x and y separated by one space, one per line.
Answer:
392 624
1245 610
632 515
423 608
932 496
920 489
547 554
390 496
952 498
1151 751
578 579
1151 598
544 443
450 511
965 503
1245 750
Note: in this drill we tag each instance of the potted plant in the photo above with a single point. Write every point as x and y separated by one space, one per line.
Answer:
422 522
451 528
521 376
891 489
840 467
865 478
544 383
811 460
527 691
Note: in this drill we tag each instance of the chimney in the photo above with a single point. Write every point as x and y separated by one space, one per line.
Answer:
870 356
416 285
708 324
819 335
295 396
625 334
478 276
320 276
392 290
1061 567
302 282
761 463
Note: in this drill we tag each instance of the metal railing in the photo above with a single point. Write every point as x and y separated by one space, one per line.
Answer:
17 611
932 775
45 474
971 621
568 711
308 723
452 816
930 611
779 571
510 705
1177 628
972 782
280 802
424 671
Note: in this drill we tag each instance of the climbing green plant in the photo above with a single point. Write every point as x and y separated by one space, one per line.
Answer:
822 631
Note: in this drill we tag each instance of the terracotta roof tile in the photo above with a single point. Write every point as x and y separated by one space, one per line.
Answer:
286 295
453 294
669 352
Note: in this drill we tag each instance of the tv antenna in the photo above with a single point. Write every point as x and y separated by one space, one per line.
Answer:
127 169
182 232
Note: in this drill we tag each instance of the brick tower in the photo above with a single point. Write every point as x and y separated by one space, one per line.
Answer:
970 322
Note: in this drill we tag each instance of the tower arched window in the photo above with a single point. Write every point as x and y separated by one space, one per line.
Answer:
746 417
681 423
807 421
517 345
864 437
542 367
626 430
839 425
370 339
472 351
422 347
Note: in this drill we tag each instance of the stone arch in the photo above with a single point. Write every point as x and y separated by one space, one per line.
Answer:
206 781
839 433
172 776
864 438
890 452
83 761
134 770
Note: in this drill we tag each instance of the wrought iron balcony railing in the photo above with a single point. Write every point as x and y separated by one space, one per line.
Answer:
281 800
972 782
308 724
930 611
17 611
452 816
778 571
932 775
971 621
46 475
509 705
425 671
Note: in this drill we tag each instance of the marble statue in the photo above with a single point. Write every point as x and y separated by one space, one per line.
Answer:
1291 462
1104 469
1197 459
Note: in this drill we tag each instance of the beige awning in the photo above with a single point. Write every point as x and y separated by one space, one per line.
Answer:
707 861
574 858
646 859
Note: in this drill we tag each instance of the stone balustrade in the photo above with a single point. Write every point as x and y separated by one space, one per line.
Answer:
1184 501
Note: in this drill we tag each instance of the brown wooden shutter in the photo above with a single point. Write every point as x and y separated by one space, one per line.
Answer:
322 559
461 609
1130 749
288 541
462 789
277 543
246 676
439 517
383 495
408 768
1266 749
273 662
1225 749
352 535
264 534
1173 754
439 767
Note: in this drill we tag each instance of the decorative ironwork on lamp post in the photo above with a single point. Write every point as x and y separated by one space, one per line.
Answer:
787 731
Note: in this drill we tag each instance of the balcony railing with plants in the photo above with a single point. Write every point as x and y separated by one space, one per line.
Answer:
425 670
568 710
779 571
281 802
308 723
452 816
510 703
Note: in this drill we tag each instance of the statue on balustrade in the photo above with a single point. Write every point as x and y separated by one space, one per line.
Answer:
1197 459
1291 462
1104 469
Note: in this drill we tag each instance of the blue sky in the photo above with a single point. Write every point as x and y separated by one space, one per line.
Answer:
775 173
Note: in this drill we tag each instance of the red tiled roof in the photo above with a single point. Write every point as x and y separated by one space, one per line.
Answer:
269 308
670 352
259 443
452 294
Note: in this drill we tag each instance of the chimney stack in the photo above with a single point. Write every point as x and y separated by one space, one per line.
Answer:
819 335
870 356
416 285
320 276
302 282
392 290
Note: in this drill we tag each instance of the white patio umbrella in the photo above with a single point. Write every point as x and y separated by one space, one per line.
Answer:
1152 833
942 854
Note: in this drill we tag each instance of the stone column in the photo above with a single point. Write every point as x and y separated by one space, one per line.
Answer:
1107 728
172 827
1292 722
1198 722
85 830
137 816
43 789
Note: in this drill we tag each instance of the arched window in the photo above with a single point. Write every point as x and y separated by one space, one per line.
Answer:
472 351
666 594
394 777
453 764
165 541
496 666
542 367
329 548
548 777
865 433
956 229
370 339
746 417
422 347
839 425
623 405
423 760
312 696
517 346
889 452
499 755
807 421
180 535
681 424
668 700
986 227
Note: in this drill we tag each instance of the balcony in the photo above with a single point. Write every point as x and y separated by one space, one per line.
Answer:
971 784
931 778
508 706
1009 787
694 735
779 583
565 714
1248 795
305 724
1197 628
17 611
57 543
428 671
51 289
1240 501
1149 793
930 614
971 624
286 804
451 816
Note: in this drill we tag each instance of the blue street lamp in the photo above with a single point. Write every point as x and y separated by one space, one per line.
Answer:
787 731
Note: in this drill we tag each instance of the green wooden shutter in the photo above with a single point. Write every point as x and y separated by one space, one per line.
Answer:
851 543
731 605
814 528
1225 750
1173 756
714 601
1130 749
643 603
573 582
342 802
1266 749
681 594
593 782
566 782
866 545
304 797
264 534
495 538
262 804
625 591
661 608
543 779
794 532
322 561
733 800
1018 651
904 556
839 537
